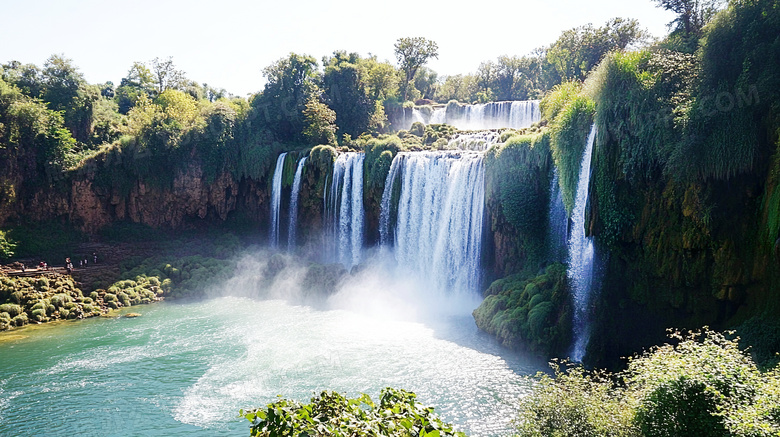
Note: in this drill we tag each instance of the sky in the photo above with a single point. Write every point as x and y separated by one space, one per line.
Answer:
227 43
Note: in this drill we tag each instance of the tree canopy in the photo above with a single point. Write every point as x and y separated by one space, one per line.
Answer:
412 53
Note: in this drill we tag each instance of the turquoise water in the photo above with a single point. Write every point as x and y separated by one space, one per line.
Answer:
187 368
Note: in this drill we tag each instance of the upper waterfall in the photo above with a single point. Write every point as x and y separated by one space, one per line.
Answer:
493 115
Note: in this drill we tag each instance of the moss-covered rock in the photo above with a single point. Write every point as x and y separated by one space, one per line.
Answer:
529 312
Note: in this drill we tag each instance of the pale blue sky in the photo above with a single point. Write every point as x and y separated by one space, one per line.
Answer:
227 43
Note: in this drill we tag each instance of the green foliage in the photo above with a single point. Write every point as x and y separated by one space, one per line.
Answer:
567 141
529 312
575 403
692 15
734 107
347 86
413 53
7 246
322 157
188 276
516 190
41 299
379 156
33 137
319 122
47 240
558 98
397 414
577 51
291 83
702 386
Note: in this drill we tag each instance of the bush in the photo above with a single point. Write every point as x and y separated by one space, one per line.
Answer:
330 413
703 386
7 246
12 309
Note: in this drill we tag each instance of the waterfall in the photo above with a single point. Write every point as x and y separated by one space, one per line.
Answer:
493 115
524 113
438 232
344 209
439 115
557 222
474 140
276 199
581 256
384 212
409 116
294 206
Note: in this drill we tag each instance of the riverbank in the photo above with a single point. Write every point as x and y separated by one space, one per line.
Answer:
126 274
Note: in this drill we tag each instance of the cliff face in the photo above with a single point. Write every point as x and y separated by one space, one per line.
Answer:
190 196
91 207
682 255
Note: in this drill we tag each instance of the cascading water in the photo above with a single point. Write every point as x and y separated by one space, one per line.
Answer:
384 212
276 199
294 205
493 115
438 231
557 222
344 209
474 140
581 256
410 116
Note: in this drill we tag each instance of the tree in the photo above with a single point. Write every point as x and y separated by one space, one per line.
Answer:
139 81
426 81
320 122
413 53
692 15
26 77
345 89
577 51
165 74
291 82
382 79
66 90
515 77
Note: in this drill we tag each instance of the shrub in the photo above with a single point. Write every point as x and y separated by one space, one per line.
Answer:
398 414
703 386
12 309
20 320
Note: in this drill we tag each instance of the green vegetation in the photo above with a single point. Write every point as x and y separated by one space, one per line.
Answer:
516 190
576 52
531 313
49 240
43 299
397 414
573 116
7 246
413 53
188 276
704 386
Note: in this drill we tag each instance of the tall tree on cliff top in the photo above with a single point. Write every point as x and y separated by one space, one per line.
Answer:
166 75
692 15
413 53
